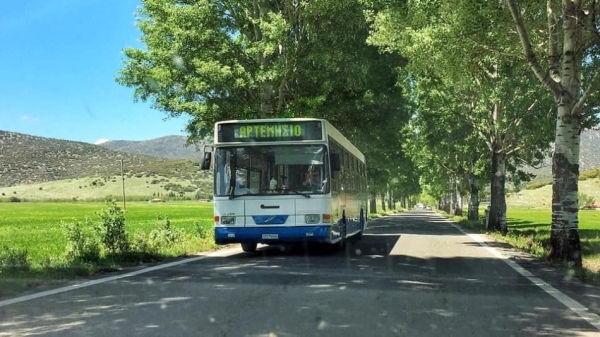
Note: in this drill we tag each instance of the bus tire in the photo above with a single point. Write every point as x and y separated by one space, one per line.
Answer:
249 247
342 225
359 235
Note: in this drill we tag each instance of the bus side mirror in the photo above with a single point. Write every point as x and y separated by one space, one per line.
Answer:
335 162
206 161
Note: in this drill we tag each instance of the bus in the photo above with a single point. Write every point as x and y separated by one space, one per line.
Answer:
286 181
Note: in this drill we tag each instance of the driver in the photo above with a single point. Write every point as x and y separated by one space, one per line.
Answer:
312 180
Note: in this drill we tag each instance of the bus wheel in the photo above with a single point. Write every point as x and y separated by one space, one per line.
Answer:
249 247
342 243
359 235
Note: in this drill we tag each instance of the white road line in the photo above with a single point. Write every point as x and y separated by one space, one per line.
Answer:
570 303
219 253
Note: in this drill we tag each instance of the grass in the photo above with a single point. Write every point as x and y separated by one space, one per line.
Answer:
380 213
529 230
37 227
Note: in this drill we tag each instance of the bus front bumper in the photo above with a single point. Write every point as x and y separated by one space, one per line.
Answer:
273 235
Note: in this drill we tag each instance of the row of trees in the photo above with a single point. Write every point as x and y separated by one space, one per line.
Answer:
501 79
441 95
216 60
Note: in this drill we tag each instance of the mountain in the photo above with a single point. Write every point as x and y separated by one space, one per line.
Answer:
171 147
589 156
26 159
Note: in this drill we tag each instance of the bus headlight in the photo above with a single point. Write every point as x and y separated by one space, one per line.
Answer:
312 218
228 220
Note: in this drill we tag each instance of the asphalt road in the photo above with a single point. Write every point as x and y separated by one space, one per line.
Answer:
412 274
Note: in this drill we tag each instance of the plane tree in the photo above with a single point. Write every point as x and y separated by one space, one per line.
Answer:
462 78
559 40
212 60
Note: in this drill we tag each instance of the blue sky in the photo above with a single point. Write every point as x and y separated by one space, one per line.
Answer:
58 62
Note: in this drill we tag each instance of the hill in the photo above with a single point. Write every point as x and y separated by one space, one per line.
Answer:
170 147
29 159
137 187
589 156
542 196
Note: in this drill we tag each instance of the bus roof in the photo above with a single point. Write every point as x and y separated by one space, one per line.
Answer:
330 130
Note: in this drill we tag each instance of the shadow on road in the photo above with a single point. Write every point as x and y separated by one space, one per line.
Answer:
363 289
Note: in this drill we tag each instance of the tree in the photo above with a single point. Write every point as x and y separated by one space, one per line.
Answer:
447 152
569 70
463 78
232 59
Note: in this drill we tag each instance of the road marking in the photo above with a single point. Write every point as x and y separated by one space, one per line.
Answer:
570 303
219 253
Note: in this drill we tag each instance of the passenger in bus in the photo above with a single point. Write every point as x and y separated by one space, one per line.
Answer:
312 181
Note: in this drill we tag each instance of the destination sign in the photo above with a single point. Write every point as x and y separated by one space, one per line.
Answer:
270 131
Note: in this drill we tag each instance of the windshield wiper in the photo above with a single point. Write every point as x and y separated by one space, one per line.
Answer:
239 195
305 195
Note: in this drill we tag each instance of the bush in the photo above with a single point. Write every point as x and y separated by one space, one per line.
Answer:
141 244
590 174
585 200
173 187
14 199
97 182
14 259
201 195
537 185
47 263
111 229
204 232
164 235
81 246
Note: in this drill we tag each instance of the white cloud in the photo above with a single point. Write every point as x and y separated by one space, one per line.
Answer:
100 141
26 118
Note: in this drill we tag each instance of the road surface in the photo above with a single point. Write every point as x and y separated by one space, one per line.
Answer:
413 274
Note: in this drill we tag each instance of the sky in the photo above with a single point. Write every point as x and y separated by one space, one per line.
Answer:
58 64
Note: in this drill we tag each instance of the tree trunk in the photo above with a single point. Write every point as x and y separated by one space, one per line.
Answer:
457 199
372 202
383 201
447 204
497 216
564 236
390 207
474 199
459 206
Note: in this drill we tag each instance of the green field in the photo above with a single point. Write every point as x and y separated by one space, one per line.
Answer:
37 227
532 228
529 230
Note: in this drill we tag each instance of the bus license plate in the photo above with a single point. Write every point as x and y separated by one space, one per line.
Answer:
270 236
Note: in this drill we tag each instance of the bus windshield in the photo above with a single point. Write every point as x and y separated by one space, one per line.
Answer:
277 169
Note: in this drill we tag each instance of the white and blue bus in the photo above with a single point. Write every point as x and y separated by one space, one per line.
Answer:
286 181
